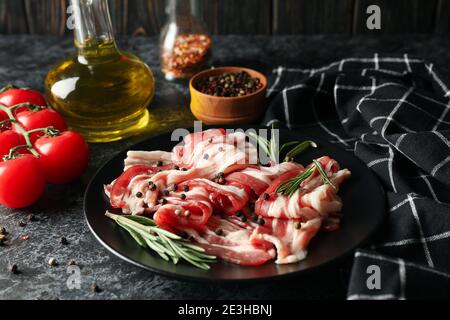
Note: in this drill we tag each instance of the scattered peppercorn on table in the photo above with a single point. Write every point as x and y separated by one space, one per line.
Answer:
48 252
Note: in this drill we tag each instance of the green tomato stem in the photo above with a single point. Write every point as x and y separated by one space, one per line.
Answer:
18 126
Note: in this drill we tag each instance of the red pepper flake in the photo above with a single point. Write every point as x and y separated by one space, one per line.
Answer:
24 237
188 55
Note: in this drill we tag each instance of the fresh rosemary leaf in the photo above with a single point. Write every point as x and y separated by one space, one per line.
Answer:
142 220
324 175
287 145
161 253
167 245
262 142
136 236
299 149
290 186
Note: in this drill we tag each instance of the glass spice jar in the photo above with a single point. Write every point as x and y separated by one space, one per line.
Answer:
185 45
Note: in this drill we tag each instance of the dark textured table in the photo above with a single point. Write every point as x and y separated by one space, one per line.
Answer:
25 60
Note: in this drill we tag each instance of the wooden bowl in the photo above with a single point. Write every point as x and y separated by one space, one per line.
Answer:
227 110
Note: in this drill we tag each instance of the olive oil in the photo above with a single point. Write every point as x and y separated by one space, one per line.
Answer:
102 93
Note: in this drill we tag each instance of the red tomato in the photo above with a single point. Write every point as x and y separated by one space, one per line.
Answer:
12 97
40 119
22 182
10 139
3 116
64 158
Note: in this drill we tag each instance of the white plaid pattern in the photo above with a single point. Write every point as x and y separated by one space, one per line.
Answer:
393 112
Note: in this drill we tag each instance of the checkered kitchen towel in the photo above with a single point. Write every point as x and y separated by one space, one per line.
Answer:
394 114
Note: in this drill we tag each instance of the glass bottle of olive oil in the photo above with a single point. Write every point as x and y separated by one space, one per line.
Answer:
102 92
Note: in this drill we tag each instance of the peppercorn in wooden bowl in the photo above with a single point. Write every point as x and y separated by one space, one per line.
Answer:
228 95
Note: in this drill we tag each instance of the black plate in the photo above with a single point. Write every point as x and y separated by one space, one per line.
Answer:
364 207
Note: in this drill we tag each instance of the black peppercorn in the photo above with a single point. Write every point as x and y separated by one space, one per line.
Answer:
297 225
14 269
254 218
162 201
64 241
266 196
229 84
95 288
184 169
159 163
238 214
185 188
31 217
174 187
206 156
184 235
244 219
182 196
165 192
139 194
219 232
261 221
176 168
153 187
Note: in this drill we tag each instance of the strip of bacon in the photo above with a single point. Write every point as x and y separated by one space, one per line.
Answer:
312 200
290 242
233 244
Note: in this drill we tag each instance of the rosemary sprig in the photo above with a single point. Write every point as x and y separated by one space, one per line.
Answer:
288 188
167 245
324 175
270 146
302 146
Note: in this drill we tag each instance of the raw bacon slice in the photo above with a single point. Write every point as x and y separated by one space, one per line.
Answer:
225 198
312 200
258 179
290 241
147 158
279 206
120 187
233 244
